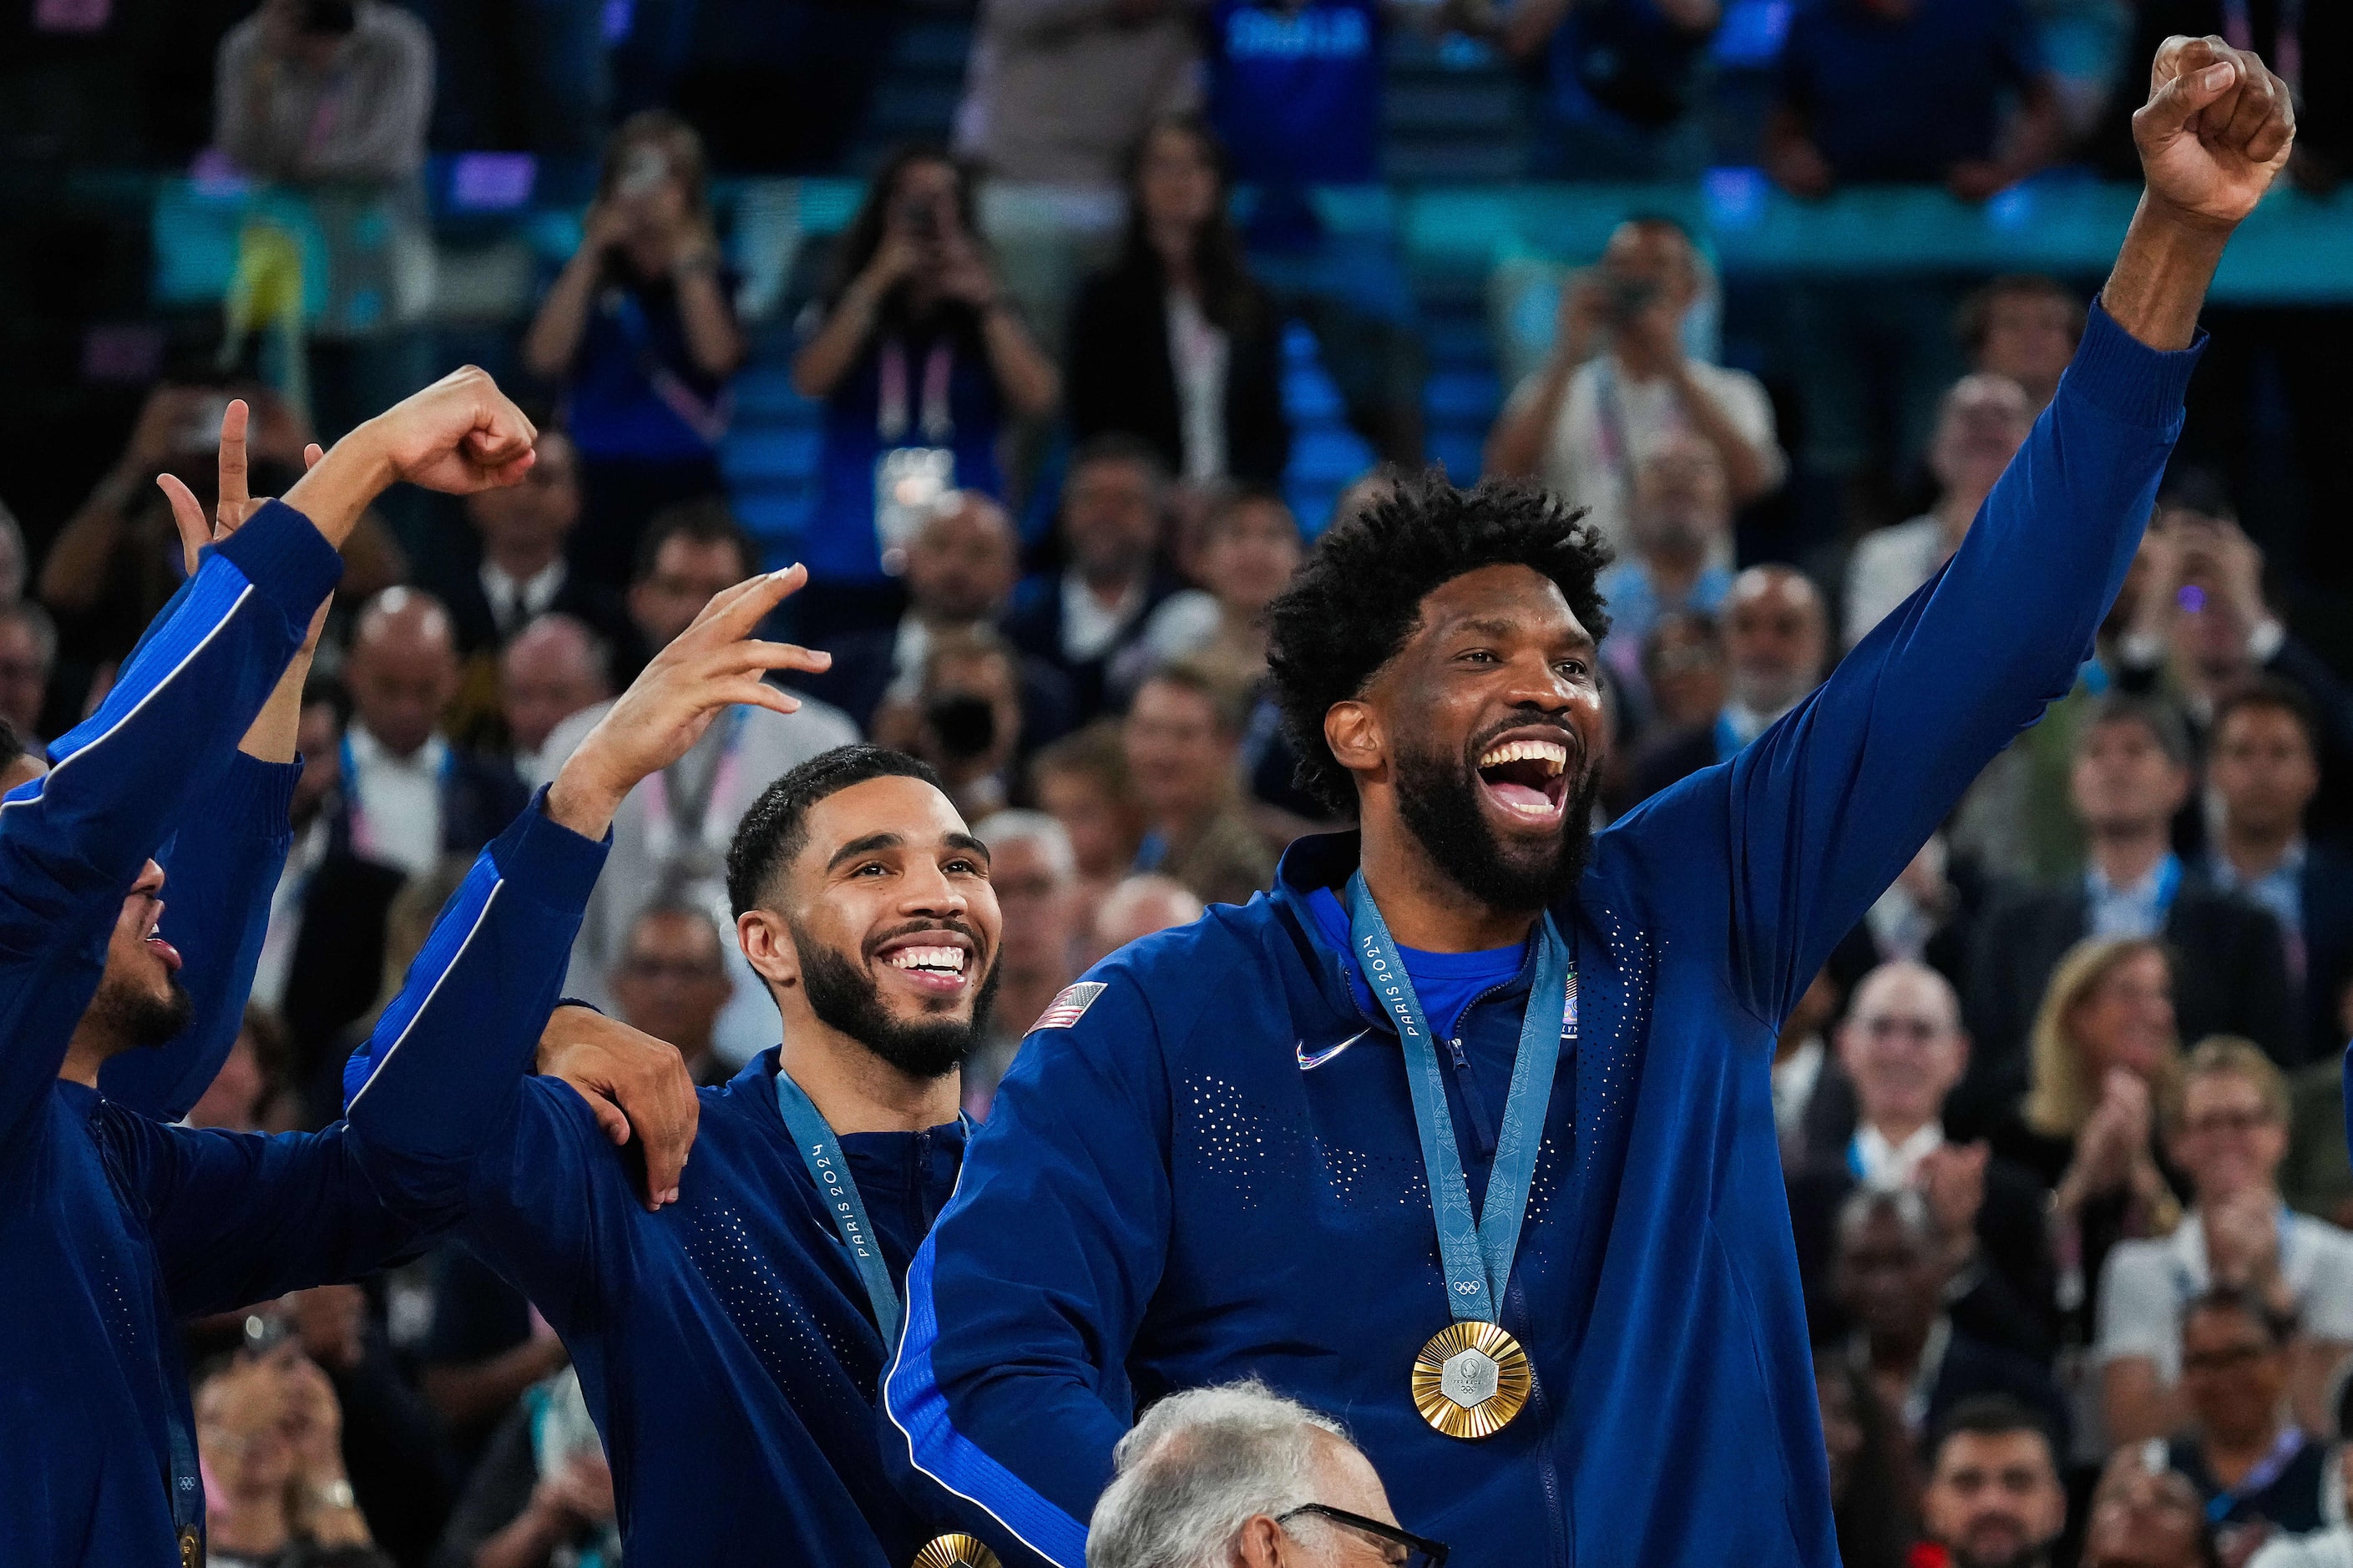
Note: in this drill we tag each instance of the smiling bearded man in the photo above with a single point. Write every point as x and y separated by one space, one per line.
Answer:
1464 1134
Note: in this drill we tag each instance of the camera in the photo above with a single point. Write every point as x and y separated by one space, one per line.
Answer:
1623 300
919 218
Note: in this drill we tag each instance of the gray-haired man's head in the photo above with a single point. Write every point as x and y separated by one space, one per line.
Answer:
1211 1477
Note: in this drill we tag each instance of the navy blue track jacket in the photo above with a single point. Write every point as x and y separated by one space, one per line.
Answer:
725 1345
1186 1183
113 1226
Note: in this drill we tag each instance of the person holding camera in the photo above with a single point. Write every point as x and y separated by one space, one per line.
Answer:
921 361
963 718
640 330
326 91
1619 381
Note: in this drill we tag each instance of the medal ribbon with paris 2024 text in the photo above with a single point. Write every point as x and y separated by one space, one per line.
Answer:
1477 1253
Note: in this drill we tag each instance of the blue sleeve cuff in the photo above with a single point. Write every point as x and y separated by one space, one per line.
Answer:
2117 372
284 555
254 799
546 860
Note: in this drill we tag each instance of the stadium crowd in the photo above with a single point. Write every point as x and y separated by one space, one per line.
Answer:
2061 1119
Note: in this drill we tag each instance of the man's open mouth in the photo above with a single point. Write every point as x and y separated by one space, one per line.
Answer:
935 961
1526 777
162 949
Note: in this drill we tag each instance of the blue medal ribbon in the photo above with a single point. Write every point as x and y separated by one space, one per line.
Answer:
822 1151
1477 1252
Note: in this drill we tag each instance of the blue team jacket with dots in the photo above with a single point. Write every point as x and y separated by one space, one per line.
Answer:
1208 1169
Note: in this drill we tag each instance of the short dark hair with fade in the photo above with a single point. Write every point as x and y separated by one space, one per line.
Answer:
776 828
708 519
1992 1416
1358 600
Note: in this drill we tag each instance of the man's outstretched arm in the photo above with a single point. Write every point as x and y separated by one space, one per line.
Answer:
1820 814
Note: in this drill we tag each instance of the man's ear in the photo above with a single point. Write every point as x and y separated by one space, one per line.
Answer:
1260 1543
767 944
1354 736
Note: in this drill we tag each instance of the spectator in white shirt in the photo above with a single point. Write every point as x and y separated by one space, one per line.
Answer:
1618 382
552 668
1982 422
305 95
2229 1132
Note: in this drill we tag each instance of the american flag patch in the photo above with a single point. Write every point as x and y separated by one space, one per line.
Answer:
1067 1009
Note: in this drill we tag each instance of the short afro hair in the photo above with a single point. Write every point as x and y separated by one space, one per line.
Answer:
773 831
1358 598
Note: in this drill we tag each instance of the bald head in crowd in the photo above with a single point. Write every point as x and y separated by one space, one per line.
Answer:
1140 906
1981 424
553 668
1776 636
963 563
1902 1046
402 669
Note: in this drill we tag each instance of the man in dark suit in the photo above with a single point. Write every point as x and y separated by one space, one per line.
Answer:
961 568
322 963
521 572
2265 770
1114 505
1777 633
2131 772
1900 1052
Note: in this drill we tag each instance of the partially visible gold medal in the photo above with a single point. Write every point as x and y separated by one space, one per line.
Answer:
192 1547
955 1552
1471 1380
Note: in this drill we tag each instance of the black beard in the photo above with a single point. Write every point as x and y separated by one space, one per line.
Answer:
139 1020
2030 1557
843 997
1437 796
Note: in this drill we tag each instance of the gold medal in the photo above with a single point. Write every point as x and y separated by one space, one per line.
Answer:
1471 1380
192 1547
955 1552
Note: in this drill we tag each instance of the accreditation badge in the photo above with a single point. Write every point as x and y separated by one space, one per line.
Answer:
1471 1380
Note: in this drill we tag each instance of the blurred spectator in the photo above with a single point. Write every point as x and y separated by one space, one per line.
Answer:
1993 1499
671 835
2104 1049
2131 773
2328 1548
17 766
1684 669
408 796
28 658
1294 87
962 563
551 669
2228 1131
118 559
1890 1273
2146 1514
1911 90
326 90
1800 1057
249 1093
1114 503
526 77
1037 882
1872 1486
1925 916
1183 736
672 982
485 1347
2254 1469
542 1495
1981 424
2263 770
1058 93
323 952
14 564
1777 633
1250 548
1901 1047
2026 327
276 1493
1176 345
1081 782
522 573
2317 1176
963 716
639 328
2201 622
921 361
1619 381
1679 522
1138 907
1622 81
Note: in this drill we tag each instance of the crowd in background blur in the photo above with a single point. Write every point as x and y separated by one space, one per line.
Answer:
2062 1119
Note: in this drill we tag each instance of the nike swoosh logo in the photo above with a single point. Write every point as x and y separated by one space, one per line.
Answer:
1310 1060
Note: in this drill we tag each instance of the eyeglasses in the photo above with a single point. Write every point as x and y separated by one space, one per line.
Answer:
2229 1121
2230 1358
1912 1031
668 969
1420 1551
